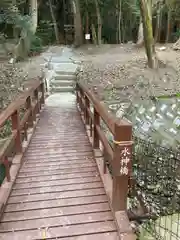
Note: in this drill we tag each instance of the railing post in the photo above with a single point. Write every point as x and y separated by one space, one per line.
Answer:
15 127
29 106
121 165
86 110
25 131
37 109
95 133
81 102
90 123
7 169
77 94
43 94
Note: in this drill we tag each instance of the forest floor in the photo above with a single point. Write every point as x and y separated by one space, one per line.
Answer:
13 76
114 72
119 72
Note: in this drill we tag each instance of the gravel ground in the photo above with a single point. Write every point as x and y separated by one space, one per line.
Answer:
114 72
121 72
13 76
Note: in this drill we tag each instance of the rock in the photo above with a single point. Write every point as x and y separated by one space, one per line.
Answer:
176 45
12 60
162 48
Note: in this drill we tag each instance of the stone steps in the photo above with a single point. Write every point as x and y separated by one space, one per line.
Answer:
60 89
65 77
62 83
64 71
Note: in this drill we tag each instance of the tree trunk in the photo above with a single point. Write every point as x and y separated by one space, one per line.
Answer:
54 22
87 26
87 23
23 47
117 14
34 15
140 41
119 21
158 24
78 37
99 22
168 26
26 34
145 9
94 36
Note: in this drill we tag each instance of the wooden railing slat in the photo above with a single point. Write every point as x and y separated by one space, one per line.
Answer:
95 132
105 143
29 107
19 127
25 119
100 108
16 126
7 145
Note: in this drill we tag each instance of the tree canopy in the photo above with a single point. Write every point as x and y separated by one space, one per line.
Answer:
115 21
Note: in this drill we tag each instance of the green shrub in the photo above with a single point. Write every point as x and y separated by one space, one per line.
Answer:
45 31
36 45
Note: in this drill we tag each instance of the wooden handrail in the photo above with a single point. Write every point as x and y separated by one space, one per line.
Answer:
29 100
107 117
19 101
120 155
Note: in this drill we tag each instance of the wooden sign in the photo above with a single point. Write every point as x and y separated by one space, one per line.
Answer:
125 159
87 36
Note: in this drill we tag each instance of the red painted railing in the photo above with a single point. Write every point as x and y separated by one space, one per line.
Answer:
31 101
117 158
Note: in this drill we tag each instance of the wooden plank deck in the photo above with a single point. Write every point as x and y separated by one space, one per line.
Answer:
58 193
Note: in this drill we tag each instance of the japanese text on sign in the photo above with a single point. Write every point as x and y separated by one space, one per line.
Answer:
125 159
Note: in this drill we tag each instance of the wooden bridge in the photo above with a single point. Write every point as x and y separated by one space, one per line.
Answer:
57 184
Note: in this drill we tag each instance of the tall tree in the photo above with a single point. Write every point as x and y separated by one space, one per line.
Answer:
119 7
54 22
78 33
158 21
146 14
34 15
140 40
99 22
170 6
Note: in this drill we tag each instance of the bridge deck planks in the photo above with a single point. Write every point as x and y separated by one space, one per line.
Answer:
58 192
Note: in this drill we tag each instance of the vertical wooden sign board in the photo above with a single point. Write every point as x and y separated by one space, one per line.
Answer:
121 164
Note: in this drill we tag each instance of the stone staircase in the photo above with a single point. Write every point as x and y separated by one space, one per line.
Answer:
63 72
63 82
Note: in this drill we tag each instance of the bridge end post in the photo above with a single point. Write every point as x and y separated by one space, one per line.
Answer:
121 164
